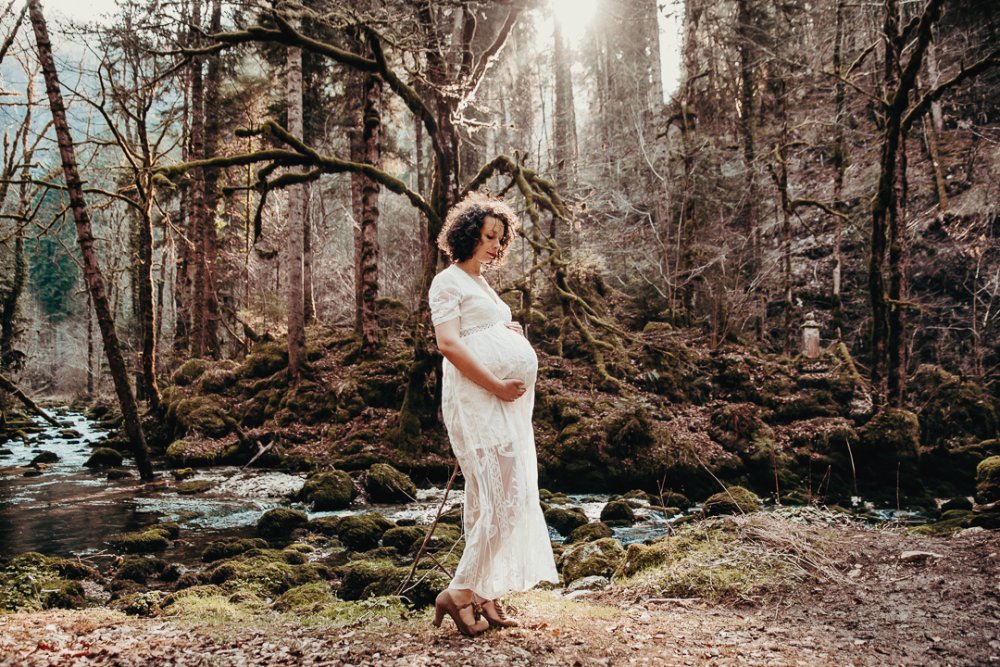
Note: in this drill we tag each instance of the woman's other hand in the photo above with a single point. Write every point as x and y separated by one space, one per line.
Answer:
510 389
515 327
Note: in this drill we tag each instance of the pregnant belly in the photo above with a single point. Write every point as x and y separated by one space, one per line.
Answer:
507 354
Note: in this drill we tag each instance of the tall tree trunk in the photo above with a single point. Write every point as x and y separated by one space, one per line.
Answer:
368 270
308 296
296 216
840 164
147 313
91 269
748 211
196 190
208 344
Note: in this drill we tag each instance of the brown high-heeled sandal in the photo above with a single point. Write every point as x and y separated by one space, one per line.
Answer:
495 615
445 604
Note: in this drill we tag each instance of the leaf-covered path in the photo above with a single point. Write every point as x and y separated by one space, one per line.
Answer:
941 607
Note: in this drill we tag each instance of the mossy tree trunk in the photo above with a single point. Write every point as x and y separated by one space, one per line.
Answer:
85 238
296 218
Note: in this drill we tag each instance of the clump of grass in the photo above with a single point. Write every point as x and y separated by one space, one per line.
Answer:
732 560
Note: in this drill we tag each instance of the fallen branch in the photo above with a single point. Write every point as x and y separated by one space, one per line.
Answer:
15 391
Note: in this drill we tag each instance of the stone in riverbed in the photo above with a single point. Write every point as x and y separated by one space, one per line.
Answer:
45 457
385 484
363 531
146 541
332 490
278 524
230 547
618 513
404 539
194 486
139 569
589 532
118 473
598 558
734 500
957 503
565 521
104 457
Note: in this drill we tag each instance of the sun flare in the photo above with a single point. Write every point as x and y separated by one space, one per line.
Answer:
574 17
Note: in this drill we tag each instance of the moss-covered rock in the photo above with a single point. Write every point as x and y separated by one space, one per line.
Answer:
32 582
988 480
565 521
180 474
150 540
306 599
889 446
265 360
195 451
189 371
618 513
325 525
589 532
277 525
404 539
193 486
45 457
139 569
598 558
203 414
734 500
951 410
115 474
265 571
362 532
332 490
363 579
230 547
385 484
218 378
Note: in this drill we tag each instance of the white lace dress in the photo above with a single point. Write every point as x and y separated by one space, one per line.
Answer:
507 544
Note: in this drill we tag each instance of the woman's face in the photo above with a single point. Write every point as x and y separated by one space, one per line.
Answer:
490 235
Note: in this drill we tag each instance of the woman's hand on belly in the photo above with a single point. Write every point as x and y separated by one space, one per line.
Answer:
515 327
510 389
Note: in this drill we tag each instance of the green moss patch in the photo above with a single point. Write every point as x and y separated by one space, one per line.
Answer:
598 558
734 500
332 490
385 484
32 582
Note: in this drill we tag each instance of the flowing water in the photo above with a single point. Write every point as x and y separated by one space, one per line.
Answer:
69 509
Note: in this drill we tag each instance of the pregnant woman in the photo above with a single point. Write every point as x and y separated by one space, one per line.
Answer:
487 396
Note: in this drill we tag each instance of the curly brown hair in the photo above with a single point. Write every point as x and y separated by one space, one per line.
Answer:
462 228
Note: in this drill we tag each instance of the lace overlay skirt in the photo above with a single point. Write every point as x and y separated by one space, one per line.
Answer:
507 544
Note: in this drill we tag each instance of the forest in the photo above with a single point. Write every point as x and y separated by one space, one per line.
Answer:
758 260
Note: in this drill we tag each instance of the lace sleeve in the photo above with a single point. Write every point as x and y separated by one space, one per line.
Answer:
444 299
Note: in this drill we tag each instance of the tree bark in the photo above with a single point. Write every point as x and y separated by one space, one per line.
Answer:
368 269
296 216
196 191
748 211
91 269
840 164
208 345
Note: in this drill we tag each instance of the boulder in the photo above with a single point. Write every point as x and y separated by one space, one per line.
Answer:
734 500
278 524
988 480
362 532
326 491
230 547
599 558
565 521
45 457
385 484
589 532
618 513
404 538
104 457
189 371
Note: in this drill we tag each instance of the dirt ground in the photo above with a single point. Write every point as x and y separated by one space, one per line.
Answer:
938 609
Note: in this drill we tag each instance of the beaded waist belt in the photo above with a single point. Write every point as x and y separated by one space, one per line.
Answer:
472 330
